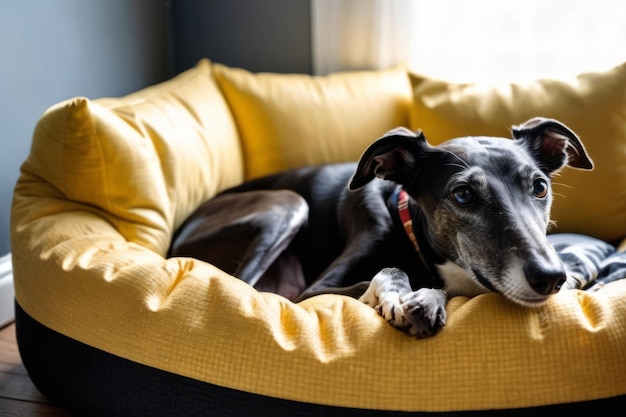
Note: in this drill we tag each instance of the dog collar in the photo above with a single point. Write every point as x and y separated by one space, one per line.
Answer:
405 217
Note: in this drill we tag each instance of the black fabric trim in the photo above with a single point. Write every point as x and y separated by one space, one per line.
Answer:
90 382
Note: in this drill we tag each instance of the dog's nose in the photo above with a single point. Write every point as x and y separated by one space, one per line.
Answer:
544 279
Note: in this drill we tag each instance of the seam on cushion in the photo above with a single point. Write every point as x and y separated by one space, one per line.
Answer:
105 176
156 92
63 146
189 76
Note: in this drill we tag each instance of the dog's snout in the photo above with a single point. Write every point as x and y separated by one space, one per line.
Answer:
544 279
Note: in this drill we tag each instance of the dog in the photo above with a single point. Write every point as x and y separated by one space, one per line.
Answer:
405 228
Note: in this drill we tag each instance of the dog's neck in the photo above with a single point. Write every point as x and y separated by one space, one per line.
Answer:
406 213
405 217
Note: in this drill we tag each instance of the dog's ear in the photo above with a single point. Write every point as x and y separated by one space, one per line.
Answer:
552 144
391 157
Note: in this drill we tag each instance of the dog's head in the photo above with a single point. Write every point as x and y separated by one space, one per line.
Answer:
485 202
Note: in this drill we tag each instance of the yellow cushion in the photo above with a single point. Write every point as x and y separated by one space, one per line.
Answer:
593 105
144 161
287 121
186 317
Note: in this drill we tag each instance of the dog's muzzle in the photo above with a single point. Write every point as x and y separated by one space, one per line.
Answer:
545 279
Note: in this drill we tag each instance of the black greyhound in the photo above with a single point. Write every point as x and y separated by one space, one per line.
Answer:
423 223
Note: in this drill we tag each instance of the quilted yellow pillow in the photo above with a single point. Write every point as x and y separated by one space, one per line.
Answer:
191 130
291 120
144 161
593 105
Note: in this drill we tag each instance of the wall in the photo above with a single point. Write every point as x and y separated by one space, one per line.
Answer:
54 50
268 35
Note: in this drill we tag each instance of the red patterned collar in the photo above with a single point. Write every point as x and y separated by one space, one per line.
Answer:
405 217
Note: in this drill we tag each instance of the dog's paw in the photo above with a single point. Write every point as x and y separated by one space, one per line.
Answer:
390 308
420 313
426 310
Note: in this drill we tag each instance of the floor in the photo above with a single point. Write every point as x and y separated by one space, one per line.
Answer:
18 395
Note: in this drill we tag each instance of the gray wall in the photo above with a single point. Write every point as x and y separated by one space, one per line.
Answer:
51 50
268 35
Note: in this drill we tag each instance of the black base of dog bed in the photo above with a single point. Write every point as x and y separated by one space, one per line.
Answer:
90 382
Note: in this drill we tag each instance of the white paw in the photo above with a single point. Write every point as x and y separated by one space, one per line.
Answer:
420 313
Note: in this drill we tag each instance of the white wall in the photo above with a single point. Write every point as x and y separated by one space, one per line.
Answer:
54 50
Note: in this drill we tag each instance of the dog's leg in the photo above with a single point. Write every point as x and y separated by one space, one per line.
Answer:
242 233
354 291
421 313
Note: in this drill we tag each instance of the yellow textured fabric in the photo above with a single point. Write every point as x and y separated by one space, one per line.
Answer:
287 121
187 317
593 105
146 161
98 199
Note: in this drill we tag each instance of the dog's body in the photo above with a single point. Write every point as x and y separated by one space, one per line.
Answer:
422 223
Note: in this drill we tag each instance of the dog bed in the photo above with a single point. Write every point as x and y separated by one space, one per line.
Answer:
108 326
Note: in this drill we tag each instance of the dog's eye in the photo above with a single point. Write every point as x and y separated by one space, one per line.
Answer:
540 188
462 195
